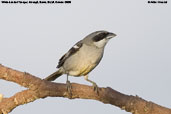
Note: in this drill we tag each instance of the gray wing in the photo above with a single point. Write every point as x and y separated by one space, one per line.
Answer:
72 51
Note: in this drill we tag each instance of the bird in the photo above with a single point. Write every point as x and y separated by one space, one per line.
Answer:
83 57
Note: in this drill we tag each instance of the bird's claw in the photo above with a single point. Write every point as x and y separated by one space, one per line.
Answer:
69 88
95 88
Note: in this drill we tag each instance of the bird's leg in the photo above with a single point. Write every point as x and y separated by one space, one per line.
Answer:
95 87
69 87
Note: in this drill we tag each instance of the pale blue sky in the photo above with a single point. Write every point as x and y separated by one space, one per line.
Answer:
136 62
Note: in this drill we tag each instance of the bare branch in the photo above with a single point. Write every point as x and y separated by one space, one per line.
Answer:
39 88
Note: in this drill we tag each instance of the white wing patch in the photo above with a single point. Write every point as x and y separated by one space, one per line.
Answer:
72 51
76 47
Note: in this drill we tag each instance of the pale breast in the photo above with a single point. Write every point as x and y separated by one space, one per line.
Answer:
84 61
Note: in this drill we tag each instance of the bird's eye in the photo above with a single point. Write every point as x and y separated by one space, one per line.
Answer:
100 36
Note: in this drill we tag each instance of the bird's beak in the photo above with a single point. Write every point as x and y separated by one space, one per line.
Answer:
111 35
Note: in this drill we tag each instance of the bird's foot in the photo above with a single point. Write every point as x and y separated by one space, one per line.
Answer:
69 88
95 88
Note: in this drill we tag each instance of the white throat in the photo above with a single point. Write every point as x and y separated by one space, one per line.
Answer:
101 43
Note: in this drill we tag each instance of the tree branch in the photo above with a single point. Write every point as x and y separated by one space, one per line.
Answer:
38 88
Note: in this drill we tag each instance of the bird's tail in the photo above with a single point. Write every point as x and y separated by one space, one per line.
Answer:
54 75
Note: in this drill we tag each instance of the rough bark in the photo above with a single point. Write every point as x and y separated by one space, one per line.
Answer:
38 88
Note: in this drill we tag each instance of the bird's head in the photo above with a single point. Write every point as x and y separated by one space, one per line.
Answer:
99 38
